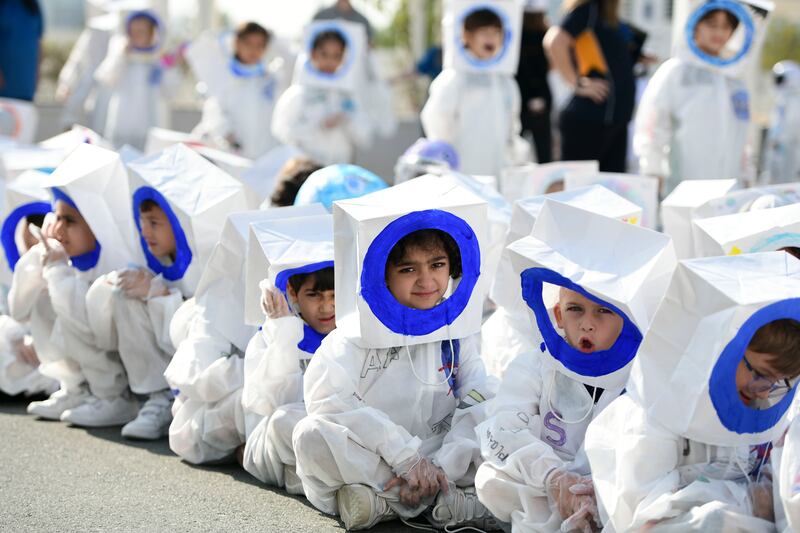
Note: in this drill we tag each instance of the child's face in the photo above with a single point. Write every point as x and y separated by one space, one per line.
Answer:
327 57
756 384
72 231
589 326
250 49
318 308
485 42
713 33
157 232
141 32
421 278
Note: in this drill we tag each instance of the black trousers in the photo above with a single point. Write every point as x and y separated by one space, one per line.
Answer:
581 141
540 128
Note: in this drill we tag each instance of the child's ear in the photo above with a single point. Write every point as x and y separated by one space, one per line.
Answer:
557 314
290 292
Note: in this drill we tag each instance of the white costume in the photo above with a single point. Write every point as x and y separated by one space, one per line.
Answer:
550 393
240 98
475 104
140 82
694 114
280 351
509 331
93 181
681 447
211 336
315 97
385 388
783 163
787 511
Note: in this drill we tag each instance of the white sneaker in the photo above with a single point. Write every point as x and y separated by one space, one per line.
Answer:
97 413
58 402
460 507
291 481
153 419
361 508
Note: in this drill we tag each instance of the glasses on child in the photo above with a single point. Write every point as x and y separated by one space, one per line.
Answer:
760 383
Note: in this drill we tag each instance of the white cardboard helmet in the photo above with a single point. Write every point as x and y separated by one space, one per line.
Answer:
456 56
532 179
18 119
365 231
196 196
641 190
684 375
350 73
617 264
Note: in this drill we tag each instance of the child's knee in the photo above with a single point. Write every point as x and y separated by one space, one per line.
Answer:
308 439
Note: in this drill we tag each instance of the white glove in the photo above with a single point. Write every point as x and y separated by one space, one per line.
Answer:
140 284
273 303
573 497
420 481
761 498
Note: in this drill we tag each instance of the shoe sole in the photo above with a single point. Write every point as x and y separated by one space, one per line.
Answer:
346 497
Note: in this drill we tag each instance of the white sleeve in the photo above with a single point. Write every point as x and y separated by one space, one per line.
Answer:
290 125
510 438
331 390
440 115
653 126
272 367
109 73
359 126
460 446
634 467
68 296
205 366
26 284
788 478
161 309
214 122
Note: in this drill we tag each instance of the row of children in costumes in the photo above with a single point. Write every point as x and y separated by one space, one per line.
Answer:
692 122
627 390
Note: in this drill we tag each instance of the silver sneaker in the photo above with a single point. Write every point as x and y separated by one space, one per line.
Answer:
361 508
97 413
153 419
58 402
460 507
291 481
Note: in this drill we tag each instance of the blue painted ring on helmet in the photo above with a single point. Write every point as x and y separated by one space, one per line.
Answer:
183 253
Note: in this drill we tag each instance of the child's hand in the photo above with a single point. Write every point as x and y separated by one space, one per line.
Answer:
423 480
761 498
573 497
274 304
53 251
594 89
26 353
135 283
333 121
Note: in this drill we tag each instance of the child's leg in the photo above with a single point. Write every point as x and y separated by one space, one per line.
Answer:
205 432
269 447
49 347
512 501
329 458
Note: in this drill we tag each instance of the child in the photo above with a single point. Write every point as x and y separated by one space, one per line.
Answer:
323 120
694 114
87 243
782 164
239 116
383 392
138 79
291 177
787 512
534 475
298 300
476 111
687 448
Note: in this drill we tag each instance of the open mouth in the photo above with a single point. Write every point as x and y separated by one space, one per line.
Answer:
488 48
585 345
327 320
745 399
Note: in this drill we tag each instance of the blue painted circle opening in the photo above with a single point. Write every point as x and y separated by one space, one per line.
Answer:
347 60
149 15
507 37
402 319
744 19
9 229
311 337
732 412
89 260
183 253
600 363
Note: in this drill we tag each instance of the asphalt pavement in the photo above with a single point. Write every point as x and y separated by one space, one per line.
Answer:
54 477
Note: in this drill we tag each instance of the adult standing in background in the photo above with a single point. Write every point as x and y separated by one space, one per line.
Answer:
537 101
343 9
21 29
594 124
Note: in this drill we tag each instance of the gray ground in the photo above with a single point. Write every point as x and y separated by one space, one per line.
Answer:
56 477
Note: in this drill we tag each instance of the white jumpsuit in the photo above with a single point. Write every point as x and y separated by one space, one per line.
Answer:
370 418
783 138
504 336
478 113
273 397
786 462
244 112
298 121
692 123
523 439
643 472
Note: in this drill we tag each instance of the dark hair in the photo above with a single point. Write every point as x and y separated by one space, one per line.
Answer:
36 220
328 35
143 15
733 20
323 280
292 176
148 205
481 18
792 250
252 28
428 239
781 339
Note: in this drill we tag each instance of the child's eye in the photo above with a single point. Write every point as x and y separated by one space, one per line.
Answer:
407 270
605 310
574 308
439 264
